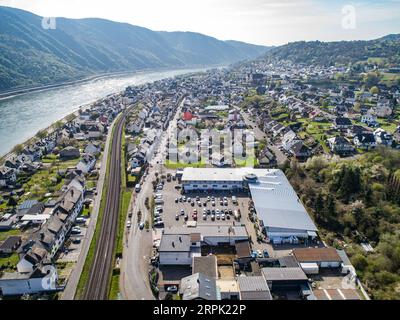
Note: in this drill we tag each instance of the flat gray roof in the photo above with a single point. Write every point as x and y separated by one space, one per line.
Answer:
175 243
254 288
282 274
209 230
277 204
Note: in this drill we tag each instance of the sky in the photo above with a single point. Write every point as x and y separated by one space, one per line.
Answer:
266 22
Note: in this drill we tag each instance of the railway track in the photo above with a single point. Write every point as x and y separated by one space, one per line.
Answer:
100 271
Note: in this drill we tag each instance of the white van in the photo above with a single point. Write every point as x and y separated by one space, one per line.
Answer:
234 200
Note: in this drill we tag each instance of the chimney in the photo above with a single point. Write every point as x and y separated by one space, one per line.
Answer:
72 192
173 244
180 239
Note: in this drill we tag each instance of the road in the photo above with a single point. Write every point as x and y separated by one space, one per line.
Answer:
134 282
260 135
70 289
100 272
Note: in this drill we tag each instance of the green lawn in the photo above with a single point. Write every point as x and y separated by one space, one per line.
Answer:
176 165
5 234
46 180
9 262
248 162
390 127
114 290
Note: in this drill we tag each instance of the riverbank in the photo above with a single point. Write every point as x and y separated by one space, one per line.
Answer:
7 94
22 117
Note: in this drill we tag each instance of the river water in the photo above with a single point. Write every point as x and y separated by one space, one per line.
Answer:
21 117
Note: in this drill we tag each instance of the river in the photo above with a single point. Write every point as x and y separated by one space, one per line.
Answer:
21 117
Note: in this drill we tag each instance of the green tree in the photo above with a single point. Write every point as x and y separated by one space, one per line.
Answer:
374 90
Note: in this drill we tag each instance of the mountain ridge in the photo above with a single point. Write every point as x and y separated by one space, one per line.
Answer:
31 55
338 52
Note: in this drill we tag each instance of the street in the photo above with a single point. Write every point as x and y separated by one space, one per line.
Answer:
134 282
260 135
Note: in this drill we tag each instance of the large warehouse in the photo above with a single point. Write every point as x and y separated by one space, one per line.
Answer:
284 217
278 208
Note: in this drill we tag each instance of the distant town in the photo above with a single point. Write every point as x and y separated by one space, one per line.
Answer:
141 174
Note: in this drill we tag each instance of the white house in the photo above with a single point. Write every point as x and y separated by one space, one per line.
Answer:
369 118
178 249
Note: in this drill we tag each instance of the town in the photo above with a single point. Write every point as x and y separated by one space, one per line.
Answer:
211 224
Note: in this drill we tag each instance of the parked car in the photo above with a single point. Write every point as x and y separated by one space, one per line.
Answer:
172 289
76 230
129 224
204 217
80 220
141 226
265 253
76 240
177 217
159 224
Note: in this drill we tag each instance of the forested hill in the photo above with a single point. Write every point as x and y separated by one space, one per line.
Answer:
31 55
338 53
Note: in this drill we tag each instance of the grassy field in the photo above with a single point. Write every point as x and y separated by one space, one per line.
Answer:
114 290
9 262
248 162
5 234
177 165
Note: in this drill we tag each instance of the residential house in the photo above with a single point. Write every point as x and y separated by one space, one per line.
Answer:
8 177
267 159
93 149
300 151
365 141
369 118
86 164
342 123
340 145
382 137
69 153
10 245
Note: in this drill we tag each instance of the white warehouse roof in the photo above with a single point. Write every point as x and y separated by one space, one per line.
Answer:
220 174
277 204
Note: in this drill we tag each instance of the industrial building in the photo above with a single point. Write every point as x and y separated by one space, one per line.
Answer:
180 245
280 211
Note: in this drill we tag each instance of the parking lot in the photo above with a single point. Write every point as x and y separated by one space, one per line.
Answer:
202 207
73 248
215 207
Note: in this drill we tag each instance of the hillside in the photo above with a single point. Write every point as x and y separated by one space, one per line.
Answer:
338 53
31 55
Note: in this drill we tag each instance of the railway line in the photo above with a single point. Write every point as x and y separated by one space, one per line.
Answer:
100 271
